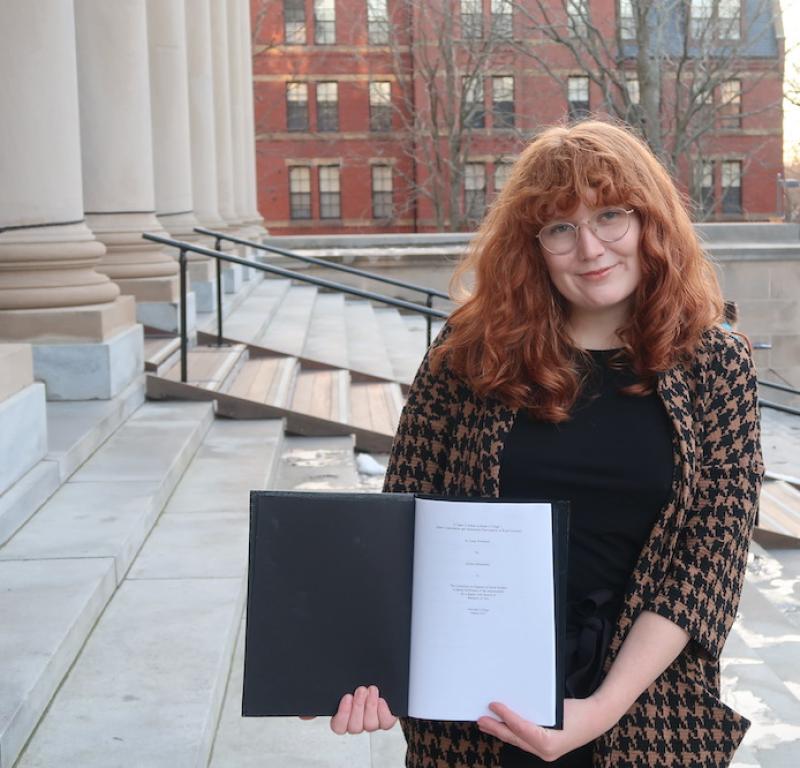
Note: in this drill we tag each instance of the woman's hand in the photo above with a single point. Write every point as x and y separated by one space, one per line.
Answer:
584 721
362 711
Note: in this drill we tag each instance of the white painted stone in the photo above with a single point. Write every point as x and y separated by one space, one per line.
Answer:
108 520
288 327
92 371
76 428
366 349
232 278
154 445
48 609
205 295
23 498
149 683
281 742
327 331
236 456
23 433
166 315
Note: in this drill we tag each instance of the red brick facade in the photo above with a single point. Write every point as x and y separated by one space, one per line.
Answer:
325 136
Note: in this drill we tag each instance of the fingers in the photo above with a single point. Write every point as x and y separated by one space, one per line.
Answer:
340 720
371 722
501 731
362 711
386 719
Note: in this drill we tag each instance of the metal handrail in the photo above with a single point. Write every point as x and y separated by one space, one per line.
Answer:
779 407
185 248
323 263
781 387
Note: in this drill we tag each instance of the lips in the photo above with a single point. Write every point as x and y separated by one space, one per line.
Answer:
598 272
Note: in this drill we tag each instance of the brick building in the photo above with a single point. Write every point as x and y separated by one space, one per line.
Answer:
380 115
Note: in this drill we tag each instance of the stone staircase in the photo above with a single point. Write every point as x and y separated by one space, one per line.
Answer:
123 553
328 365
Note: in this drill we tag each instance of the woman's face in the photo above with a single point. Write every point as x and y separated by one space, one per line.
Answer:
596 276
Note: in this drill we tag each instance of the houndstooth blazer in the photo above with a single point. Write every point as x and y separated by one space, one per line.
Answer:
450 442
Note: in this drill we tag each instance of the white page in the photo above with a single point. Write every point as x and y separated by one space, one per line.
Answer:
482 625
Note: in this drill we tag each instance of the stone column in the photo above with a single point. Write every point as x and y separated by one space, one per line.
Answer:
223 133
117 145
86 342
172 156
251 215
203 144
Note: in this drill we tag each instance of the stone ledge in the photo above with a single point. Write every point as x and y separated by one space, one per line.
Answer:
16 368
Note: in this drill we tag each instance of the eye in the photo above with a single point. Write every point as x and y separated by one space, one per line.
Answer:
560 228
609 215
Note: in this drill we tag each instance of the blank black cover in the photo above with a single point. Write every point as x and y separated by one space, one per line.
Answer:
341 569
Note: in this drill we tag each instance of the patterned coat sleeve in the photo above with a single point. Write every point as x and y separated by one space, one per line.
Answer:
419 455
704 580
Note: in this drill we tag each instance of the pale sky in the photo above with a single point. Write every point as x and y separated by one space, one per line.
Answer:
791 114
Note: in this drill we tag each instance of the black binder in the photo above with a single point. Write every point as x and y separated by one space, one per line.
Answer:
329 599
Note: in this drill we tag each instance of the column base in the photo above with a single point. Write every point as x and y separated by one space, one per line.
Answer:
92 371
89 323
158 289
205 295
166 315
232 278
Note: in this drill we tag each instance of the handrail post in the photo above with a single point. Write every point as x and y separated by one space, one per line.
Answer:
184 335
218 247
429 305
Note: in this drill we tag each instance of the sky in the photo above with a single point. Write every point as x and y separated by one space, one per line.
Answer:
791 114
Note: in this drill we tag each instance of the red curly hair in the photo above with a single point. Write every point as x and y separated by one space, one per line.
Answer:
507 338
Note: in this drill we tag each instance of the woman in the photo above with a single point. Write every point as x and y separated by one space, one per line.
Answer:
587 363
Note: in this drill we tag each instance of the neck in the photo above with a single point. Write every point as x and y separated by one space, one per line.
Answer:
597 330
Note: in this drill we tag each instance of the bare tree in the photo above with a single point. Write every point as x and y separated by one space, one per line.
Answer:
440 53
675 70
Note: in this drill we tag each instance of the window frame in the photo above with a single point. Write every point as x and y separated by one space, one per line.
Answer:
378 28
578 109
502 19
382 199
327 109
324 22
730 106
295 195
296 115
474 104
471 19
380 110
474 197
330 200
298 34
503 111
728 192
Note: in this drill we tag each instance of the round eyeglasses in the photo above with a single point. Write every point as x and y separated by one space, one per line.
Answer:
608 225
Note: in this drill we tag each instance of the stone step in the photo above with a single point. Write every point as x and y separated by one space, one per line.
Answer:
148 686
266 380
322 393
65 562
366 349
327 331
776 575
210 367
74 432
161 353
417 326
288 328
400 343
249 320
308 464
375 406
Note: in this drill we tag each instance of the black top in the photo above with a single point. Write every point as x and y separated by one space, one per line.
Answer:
613 460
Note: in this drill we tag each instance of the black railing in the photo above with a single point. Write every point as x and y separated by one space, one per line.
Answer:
430 293
781 387
184 248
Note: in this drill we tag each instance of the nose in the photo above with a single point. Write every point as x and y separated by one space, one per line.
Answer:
589 245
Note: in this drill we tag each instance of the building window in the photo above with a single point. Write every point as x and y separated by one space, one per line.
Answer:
380 106
471 19
730 104
578 17
632 87
707 201
377 22
382 207
729 19
474 112
732 186
474 191
294 22
578 96
327 106
501 173
627 20
297 106
330 198
701 12
503 101
324 22
300 193
502 19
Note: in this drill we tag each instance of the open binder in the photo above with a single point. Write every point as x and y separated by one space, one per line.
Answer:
445 604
